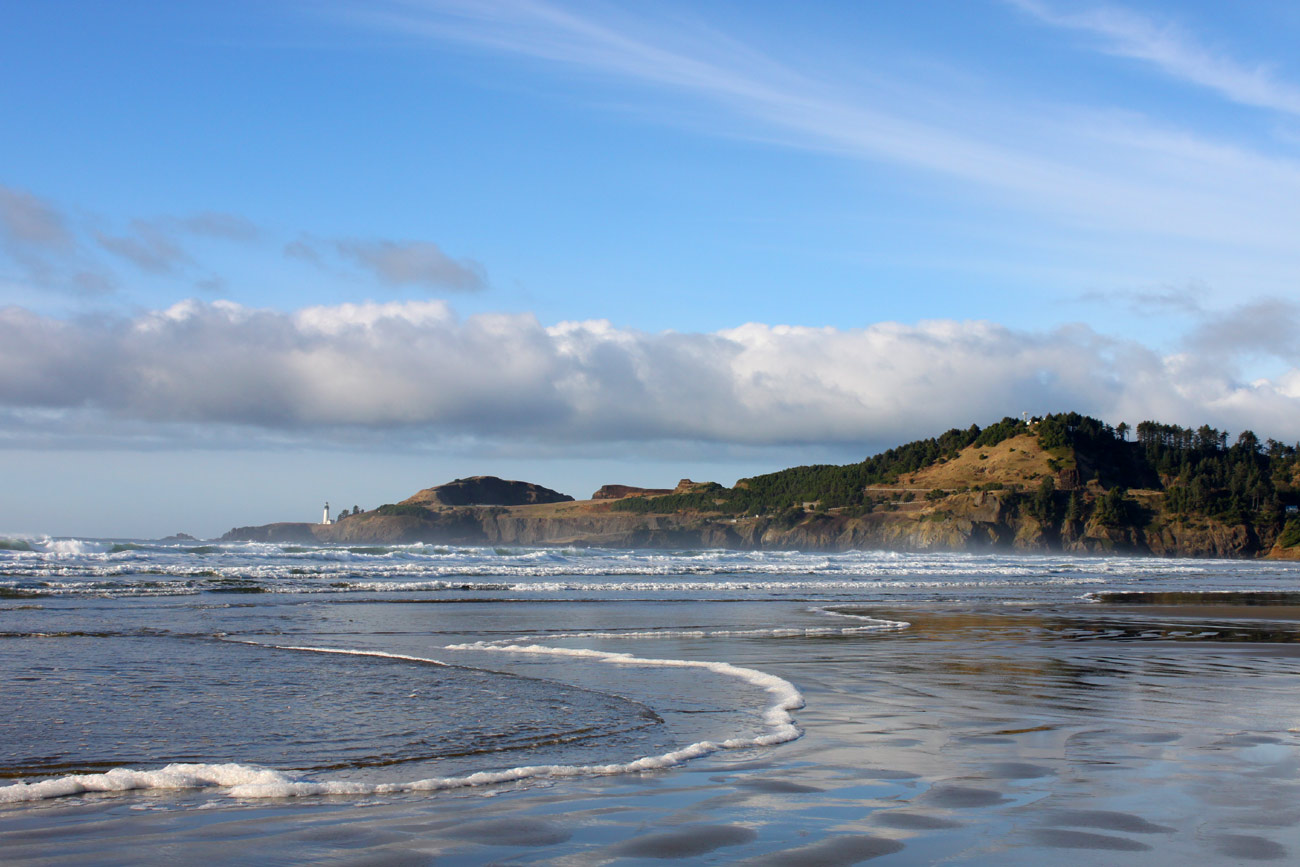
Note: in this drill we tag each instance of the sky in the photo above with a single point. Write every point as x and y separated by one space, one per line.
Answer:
259 255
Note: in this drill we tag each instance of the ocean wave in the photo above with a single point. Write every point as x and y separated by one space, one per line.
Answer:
72 567
216 583
255 782
63 548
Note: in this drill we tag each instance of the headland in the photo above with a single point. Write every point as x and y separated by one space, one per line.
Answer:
1063 482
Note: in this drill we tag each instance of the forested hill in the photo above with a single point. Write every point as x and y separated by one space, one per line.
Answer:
1197 470
831 485
1089 471
1063 482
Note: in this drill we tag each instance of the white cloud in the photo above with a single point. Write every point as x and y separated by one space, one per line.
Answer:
417 371
1267 327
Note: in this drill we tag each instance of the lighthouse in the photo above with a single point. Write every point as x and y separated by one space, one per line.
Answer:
325 518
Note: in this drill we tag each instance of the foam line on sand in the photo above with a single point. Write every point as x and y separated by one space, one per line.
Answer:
250 781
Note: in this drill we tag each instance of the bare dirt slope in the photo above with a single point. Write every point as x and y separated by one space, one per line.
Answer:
1019 460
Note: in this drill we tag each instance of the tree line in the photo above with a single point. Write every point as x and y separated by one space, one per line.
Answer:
1196 471
833 486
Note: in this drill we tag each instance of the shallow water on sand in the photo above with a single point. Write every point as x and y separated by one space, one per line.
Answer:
1010 722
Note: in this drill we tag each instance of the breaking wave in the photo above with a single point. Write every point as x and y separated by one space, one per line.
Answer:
251 781
73 567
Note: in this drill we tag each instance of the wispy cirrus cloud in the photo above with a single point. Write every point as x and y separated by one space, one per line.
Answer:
807 110
1175 52
1109 170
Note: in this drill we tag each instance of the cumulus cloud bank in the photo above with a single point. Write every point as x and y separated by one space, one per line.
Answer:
417 368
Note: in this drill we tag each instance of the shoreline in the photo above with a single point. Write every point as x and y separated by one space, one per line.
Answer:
985 733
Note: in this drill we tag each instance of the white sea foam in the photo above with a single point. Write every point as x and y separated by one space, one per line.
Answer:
776 718
69 547
175 776
248 781
127 581
421 568
874 624
345 652
83 568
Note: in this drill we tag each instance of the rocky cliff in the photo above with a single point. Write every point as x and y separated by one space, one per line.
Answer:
1063 484
618 492
967 521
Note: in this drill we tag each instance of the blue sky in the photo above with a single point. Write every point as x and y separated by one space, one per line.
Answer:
282 252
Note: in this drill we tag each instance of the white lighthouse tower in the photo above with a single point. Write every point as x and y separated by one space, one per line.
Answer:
325 518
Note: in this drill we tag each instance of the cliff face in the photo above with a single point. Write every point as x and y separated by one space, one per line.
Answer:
1005 493
982 522
618 492
972 521
1204 539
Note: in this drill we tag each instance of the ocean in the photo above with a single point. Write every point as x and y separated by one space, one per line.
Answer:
253 703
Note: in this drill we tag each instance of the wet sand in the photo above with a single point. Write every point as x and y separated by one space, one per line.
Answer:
1089 734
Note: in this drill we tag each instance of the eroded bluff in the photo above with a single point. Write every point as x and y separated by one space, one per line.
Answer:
973 521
